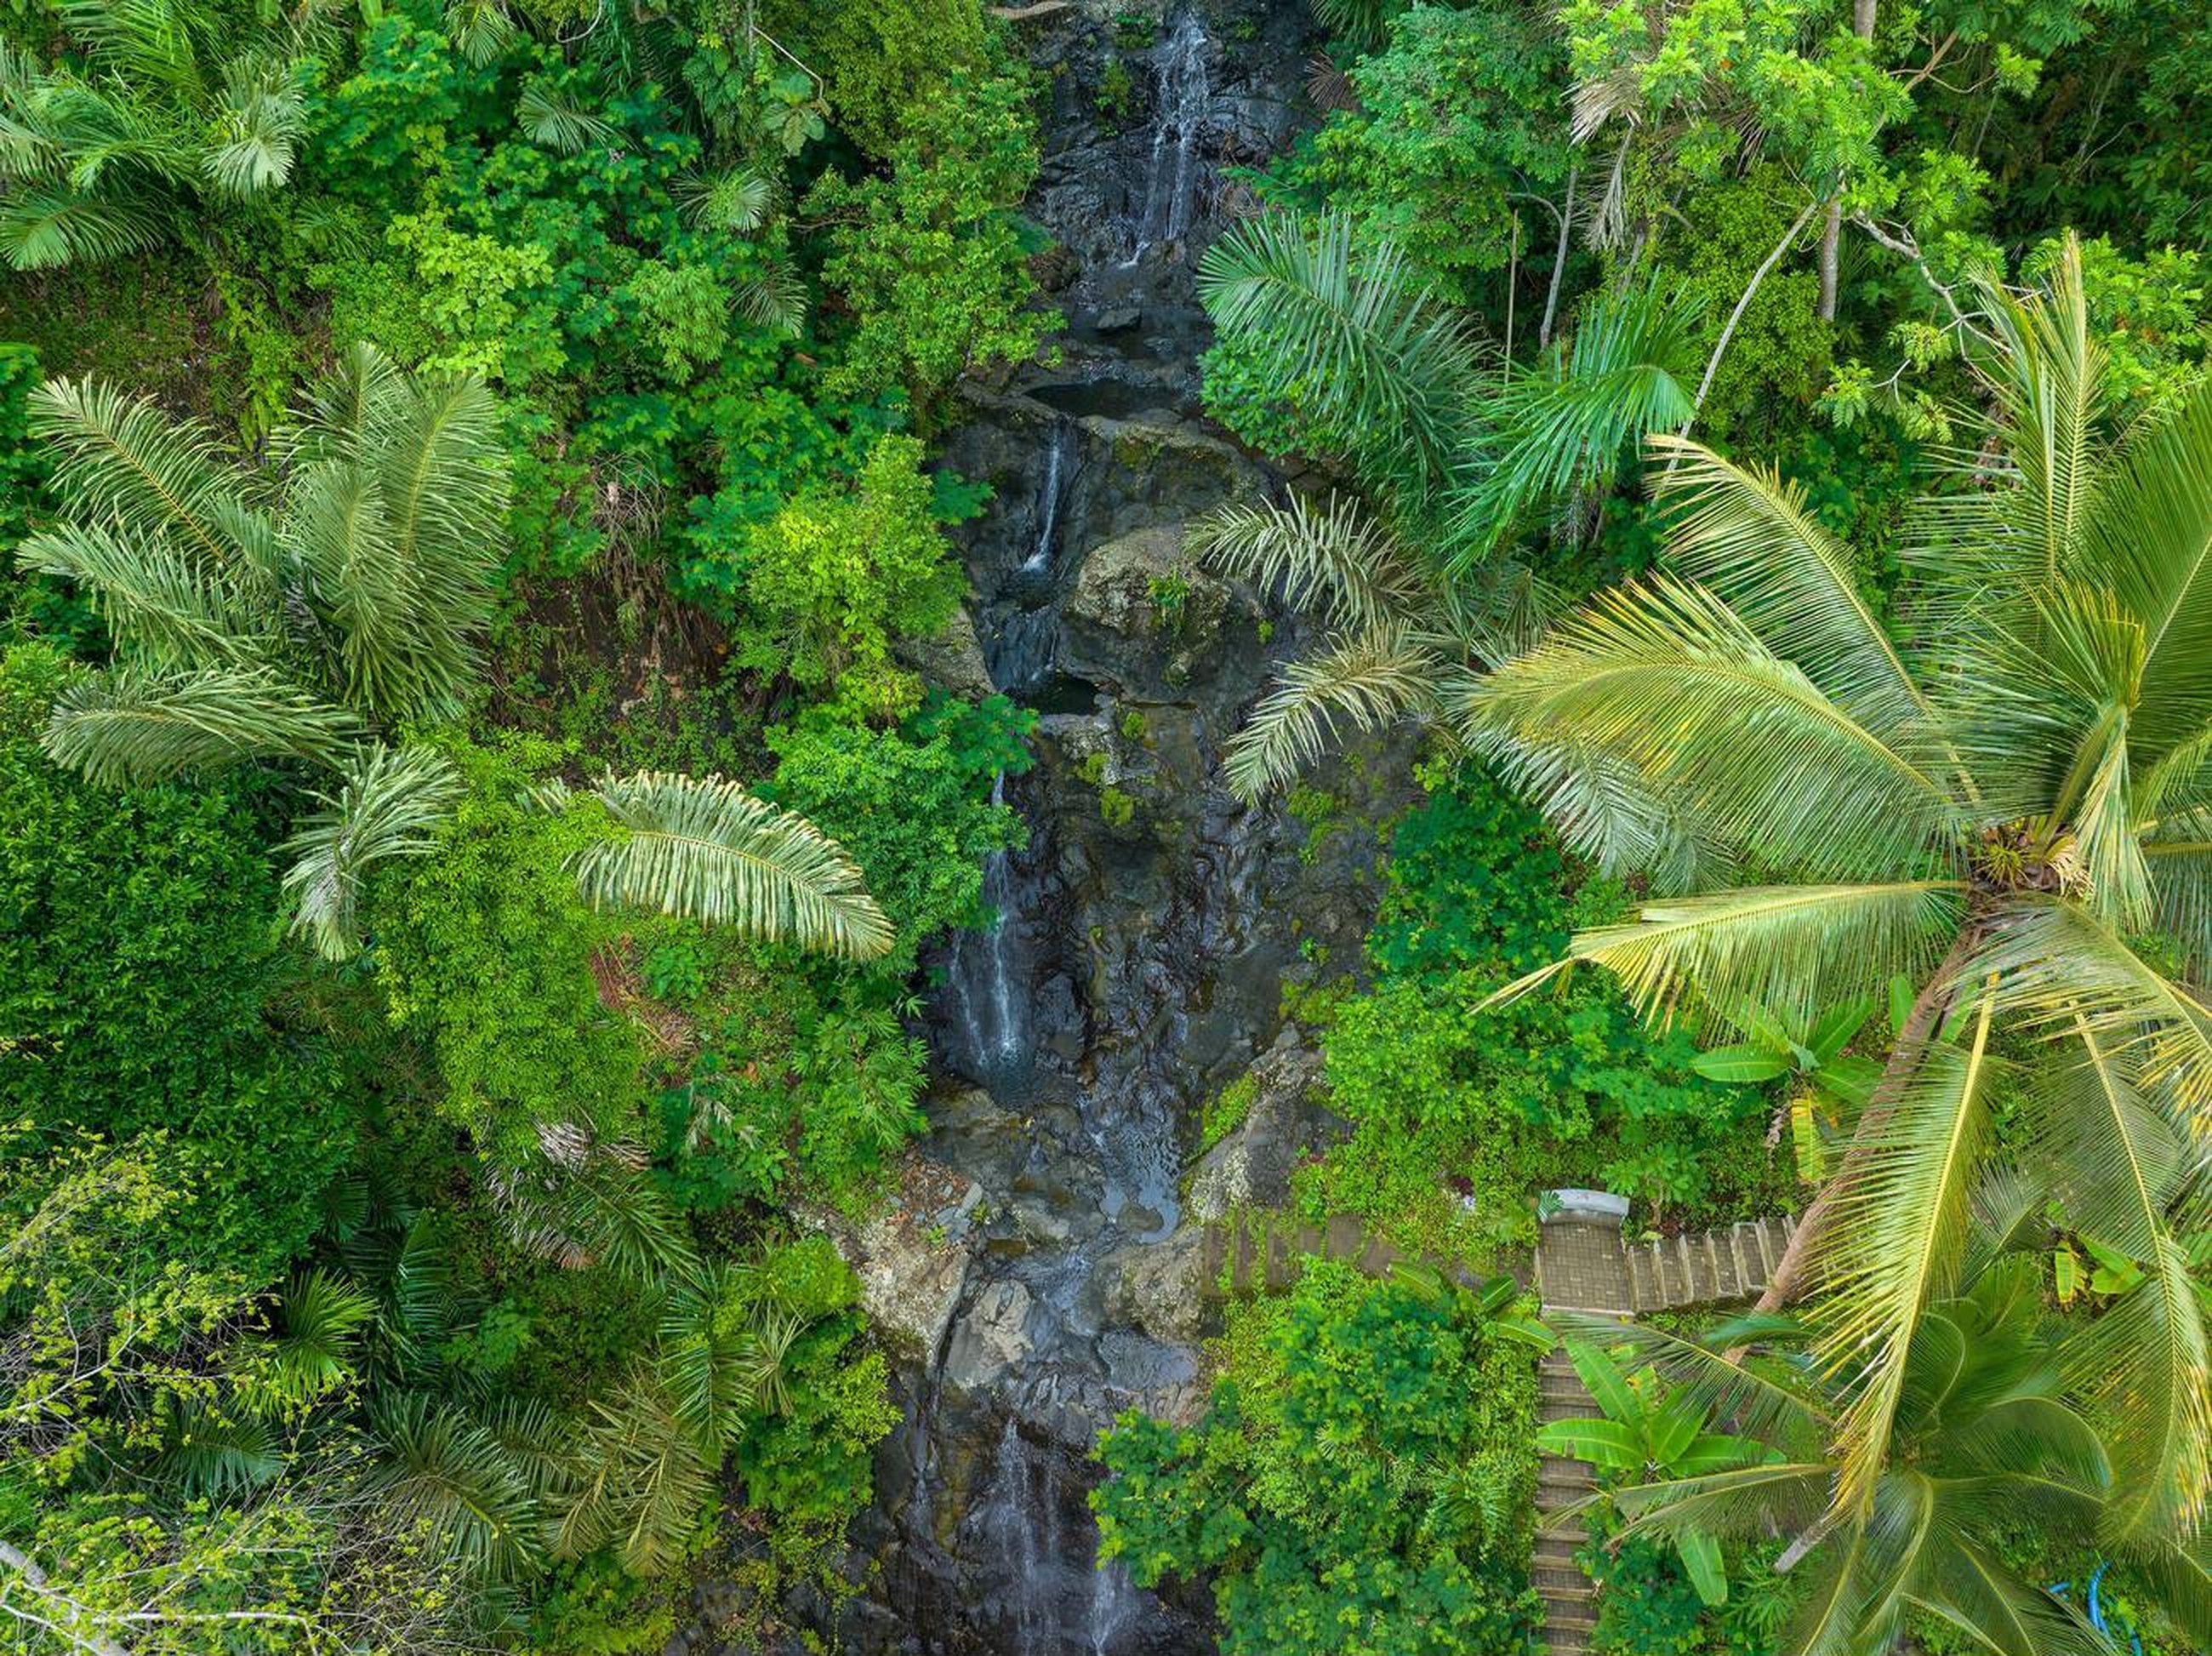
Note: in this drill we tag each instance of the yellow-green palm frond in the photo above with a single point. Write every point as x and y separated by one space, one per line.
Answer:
124 727
1893 1237
1789 948
1665 678
1330 557
2048 378
1363 681
707 848
1599 805
391 805
2119 1164
2150 540
1751 537
2179 860
2061 968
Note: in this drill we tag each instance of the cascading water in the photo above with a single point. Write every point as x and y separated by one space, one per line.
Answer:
1058 462
988 981
1133 966
1182 111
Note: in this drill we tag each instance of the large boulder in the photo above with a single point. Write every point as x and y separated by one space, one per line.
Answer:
911 1254
1251 1166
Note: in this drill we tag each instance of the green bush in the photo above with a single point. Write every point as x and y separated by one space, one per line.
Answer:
1493 1105
1360 1481
141 965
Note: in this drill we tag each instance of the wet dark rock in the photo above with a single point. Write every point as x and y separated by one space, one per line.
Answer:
1251 1166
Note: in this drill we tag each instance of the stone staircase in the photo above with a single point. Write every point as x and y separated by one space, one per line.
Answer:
1570 1600
1713 1268
1583 1265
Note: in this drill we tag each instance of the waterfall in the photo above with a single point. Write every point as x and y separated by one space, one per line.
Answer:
1185 90
1022 1518
1056 466
987 978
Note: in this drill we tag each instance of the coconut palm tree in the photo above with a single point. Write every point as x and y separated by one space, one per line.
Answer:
323 608
2006 794
1992 1429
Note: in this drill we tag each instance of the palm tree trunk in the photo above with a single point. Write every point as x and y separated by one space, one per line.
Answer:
1929 1008
1558 259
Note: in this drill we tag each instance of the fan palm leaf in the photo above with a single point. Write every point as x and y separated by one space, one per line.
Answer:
707 848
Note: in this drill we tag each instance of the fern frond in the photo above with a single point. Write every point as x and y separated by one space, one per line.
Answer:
561 125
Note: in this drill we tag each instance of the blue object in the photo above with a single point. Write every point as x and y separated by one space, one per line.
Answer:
2095 1607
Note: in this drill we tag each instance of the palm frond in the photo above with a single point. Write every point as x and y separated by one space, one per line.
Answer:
2148 538
214 1454
2049 381
1763 1397
42 229
391 805
125 726
1569 422
1751 537
775 299
1791 949
1892 1239
443 1474
322 1321
1363 681
2118 1164
2058 966
645 1481
163 609
483 29
595 1212
737 198
1333 557
1350 331
1664 678
707 848
122 460
260 119
560 124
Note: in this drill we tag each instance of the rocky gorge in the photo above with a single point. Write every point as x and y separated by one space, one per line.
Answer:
1038 1275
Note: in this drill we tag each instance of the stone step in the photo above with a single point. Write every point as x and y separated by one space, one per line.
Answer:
1560 1582
1562 1473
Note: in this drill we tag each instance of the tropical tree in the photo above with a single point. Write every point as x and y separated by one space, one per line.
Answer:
1343 344
164 121
2006 799
326 609
1994 1426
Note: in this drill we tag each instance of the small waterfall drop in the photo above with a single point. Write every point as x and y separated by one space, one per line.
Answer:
989 978
1181 114
1058 462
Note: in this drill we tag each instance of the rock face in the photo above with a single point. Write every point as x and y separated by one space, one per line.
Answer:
1152 923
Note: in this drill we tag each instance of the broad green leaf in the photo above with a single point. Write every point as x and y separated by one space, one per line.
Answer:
1745 1065
1701 1559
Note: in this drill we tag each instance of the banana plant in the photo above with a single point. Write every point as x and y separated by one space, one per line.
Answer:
1651 1432
1492 1304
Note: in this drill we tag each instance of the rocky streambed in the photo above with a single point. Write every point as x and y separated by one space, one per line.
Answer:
1039 1273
